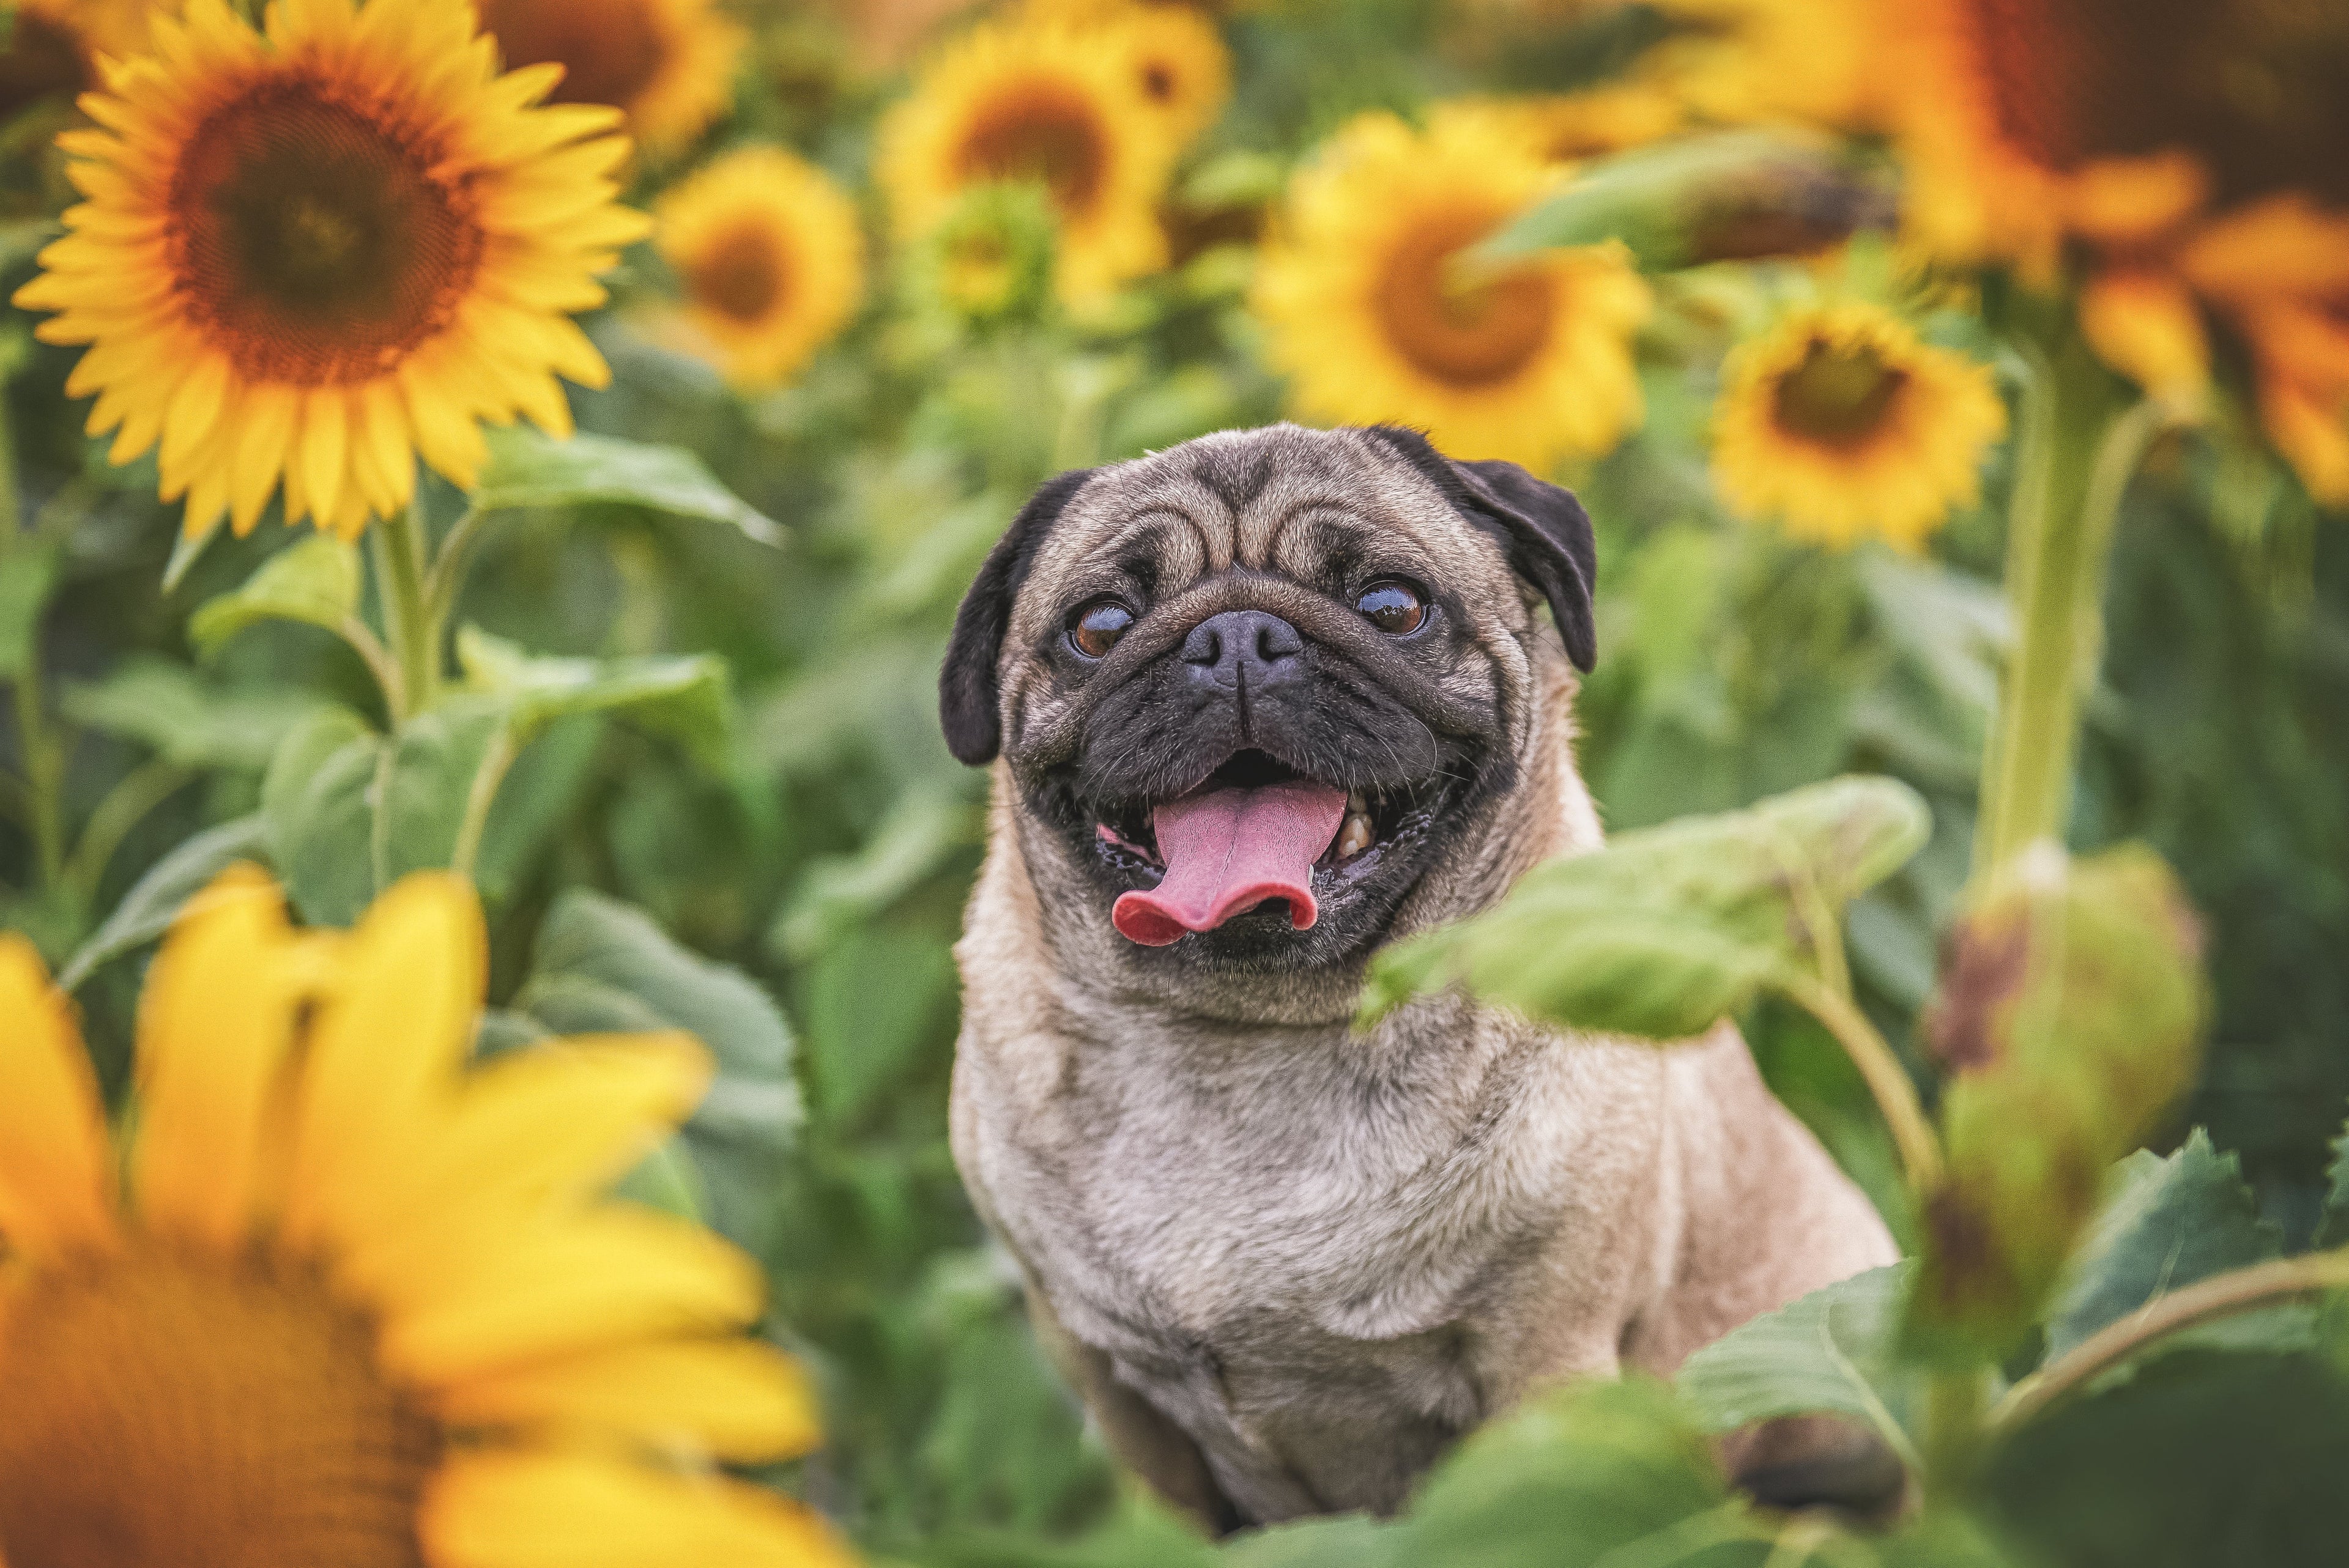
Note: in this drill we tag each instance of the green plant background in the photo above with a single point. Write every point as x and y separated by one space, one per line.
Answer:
789 811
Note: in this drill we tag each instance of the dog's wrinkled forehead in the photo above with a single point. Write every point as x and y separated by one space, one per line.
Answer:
1316 506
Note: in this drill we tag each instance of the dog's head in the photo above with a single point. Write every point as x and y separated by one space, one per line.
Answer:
1263 692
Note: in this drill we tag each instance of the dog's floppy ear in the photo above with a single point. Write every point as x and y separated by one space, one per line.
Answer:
1541 526
968 694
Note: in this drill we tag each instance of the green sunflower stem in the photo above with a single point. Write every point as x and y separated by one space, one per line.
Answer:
2081 442
410 624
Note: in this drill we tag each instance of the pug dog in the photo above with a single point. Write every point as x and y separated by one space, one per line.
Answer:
1257 706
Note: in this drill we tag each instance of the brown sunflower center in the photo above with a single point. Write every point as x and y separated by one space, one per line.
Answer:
1043 131
1837 396
744 275
610 50
1468 333
166 1412
1158 81
2257 89
43 60
313 242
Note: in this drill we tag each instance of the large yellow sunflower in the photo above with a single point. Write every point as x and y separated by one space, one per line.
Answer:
770 259
1032 100
1373 318
311 257
668 65
1841 423
352 1304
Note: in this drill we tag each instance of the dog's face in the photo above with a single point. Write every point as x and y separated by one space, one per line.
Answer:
1256 692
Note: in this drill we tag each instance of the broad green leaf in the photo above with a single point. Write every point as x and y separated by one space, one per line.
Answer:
1719 196
668 1180
684 696
528 469
1575 1476
2167 1223
28 572
350 811
602 965
2069 1015
1667 930
314 581
155 900
922 829
874 996
2204 1458
186 719
1831 1351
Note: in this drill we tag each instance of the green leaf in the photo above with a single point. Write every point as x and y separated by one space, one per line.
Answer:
1668 929
154 901
314 581
2334 1228
528 469
2203 1457
186 719
1722 195
28 572
922 829
1831 1351
2167 1224
350 811
602 965
684 696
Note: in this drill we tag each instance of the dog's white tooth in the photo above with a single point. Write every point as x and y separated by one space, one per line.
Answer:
1355 837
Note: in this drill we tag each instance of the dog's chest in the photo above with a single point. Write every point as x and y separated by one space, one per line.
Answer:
1307 1250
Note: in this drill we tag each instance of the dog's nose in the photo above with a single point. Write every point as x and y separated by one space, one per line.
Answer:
1253 647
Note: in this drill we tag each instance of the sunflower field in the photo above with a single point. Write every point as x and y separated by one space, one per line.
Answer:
484 485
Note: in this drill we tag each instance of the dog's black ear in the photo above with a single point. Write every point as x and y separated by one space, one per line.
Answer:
967 697
1541 526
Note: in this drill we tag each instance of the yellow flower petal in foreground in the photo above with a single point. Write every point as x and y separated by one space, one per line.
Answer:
308 257
1841 424
1036 102
668 65
771 262
54 46
1373 319
544 1380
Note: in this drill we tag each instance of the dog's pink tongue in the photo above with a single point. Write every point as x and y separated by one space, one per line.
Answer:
1228 850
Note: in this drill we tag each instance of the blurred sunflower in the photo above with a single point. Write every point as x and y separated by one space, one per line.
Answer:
311 257
1179 63
1569 128
770 259
1813 61
1043 102
990 258
2110 119
668 65
356 1304
1841 423
54 46
1372 321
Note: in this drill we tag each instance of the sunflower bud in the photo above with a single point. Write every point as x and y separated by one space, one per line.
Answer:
2069 1013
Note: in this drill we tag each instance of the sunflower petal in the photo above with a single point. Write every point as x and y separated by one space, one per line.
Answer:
736 1399
54 1161
488 1510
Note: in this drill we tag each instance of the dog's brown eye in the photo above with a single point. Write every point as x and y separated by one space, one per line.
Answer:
1098 626
1393 606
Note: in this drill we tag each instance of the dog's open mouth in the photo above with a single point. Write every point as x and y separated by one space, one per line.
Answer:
1255 834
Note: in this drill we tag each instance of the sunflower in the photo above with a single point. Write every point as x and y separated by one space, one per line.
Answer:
353 1304
1811 61
770 259
2109 120
1373 318
1839 422
1570 127
1179 64
309 257
668 65
1018 101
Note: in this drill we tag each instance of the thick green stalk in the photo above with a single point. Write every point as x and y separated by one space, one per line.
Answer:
410 626
2080 445
1957 1406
